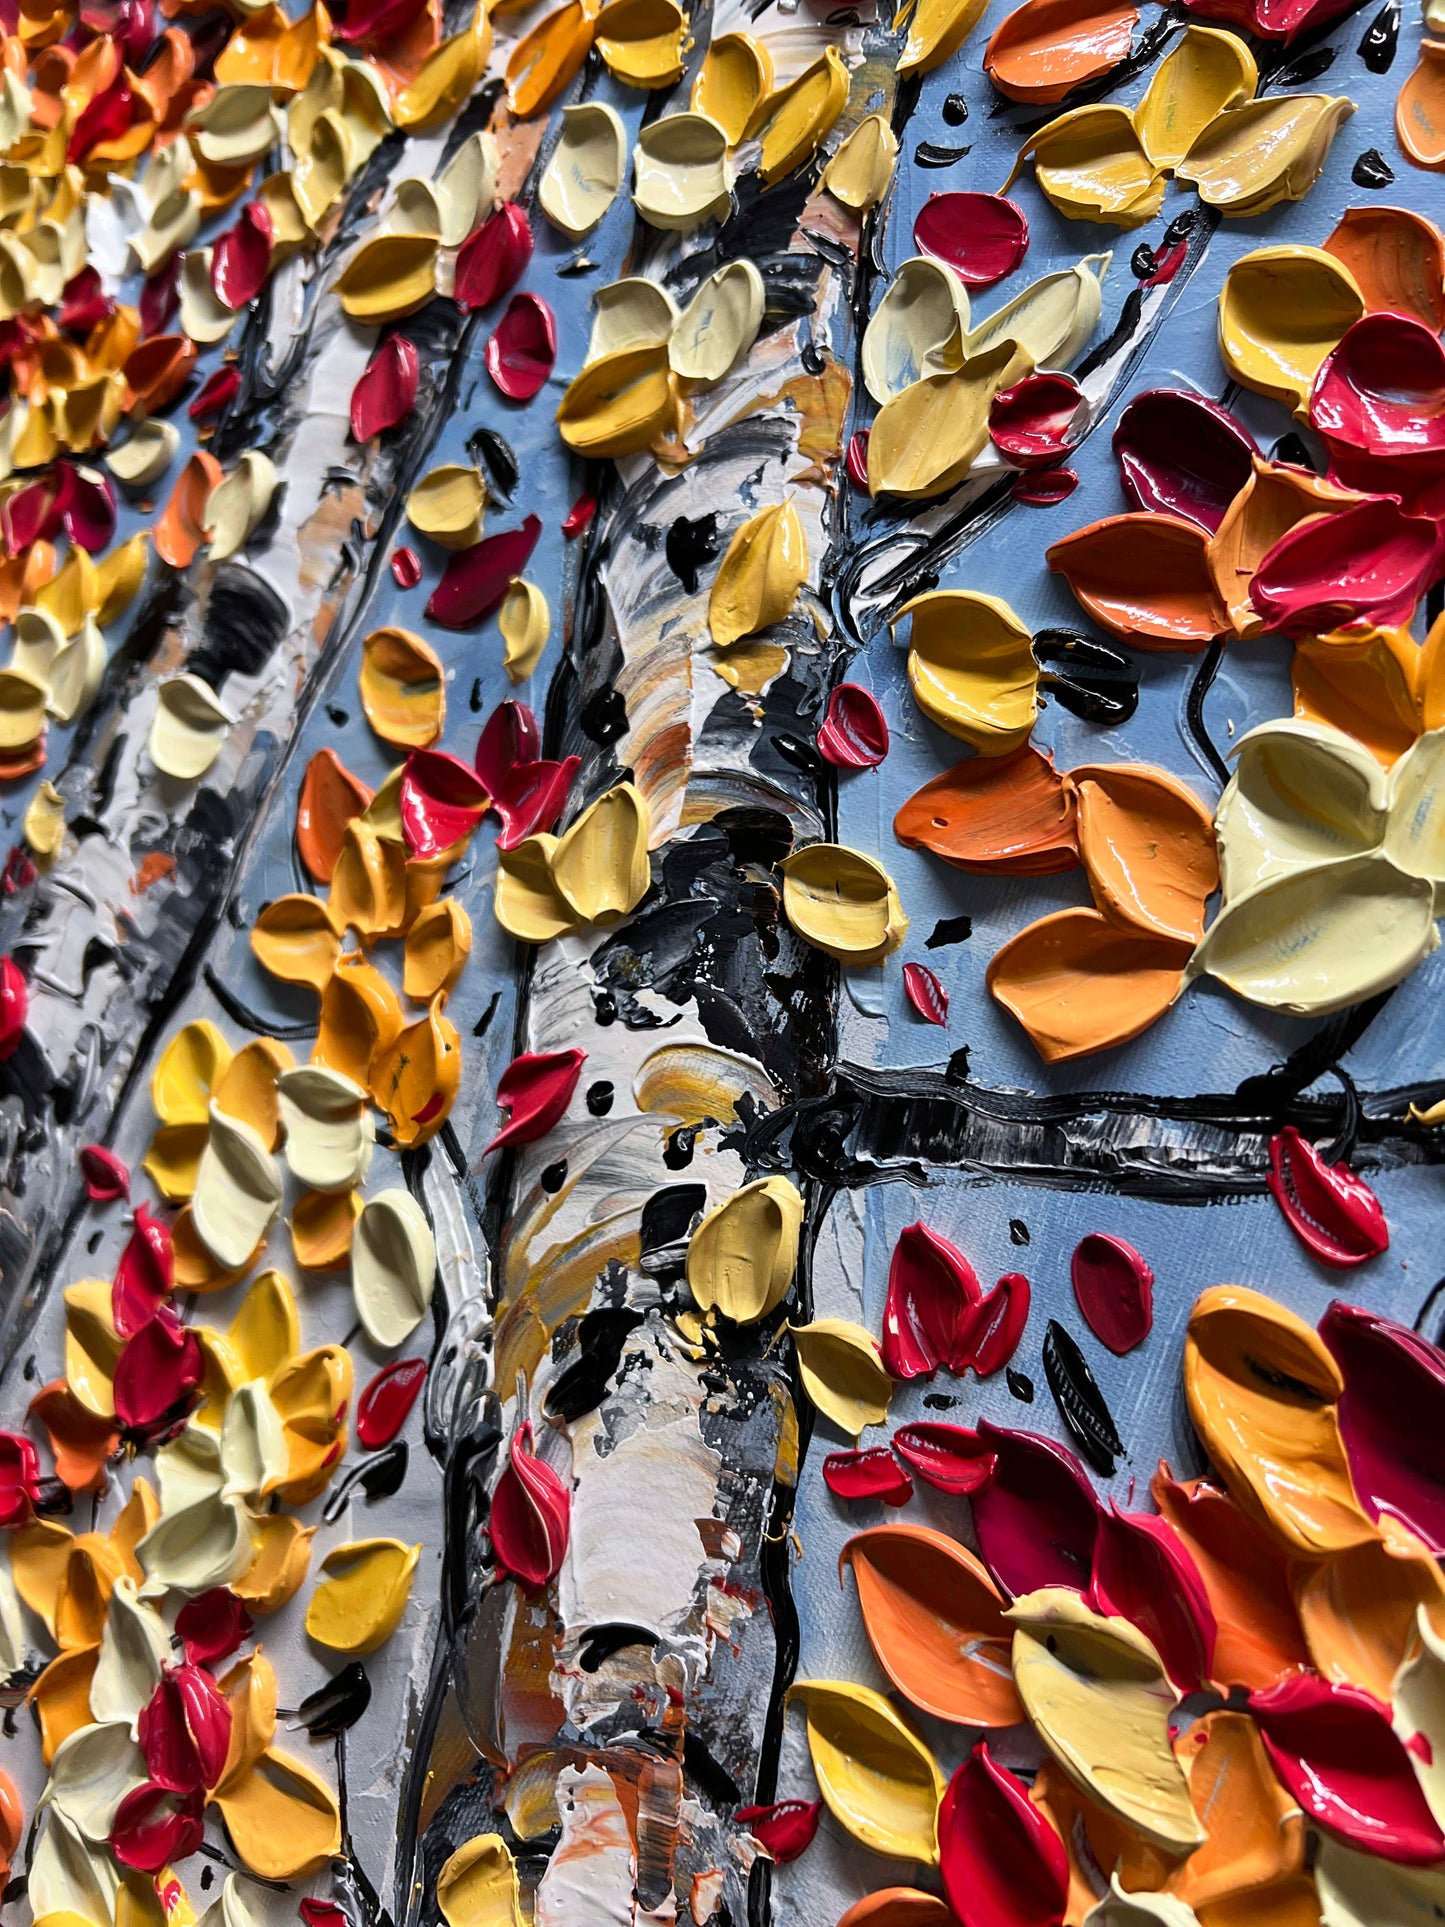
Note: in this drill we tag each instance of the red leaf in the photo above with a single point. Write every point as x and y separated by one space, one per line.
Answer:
1001 1861
212 1625
19 1479
1392 1417
106 1177
531 1514
532 799
215 393
492 259
441 801
1037 1516
523 349
161 297
376 19
982 237
1037 421
32 514
105 117
873 1474
84 304
947 1457
86 505
930 1286
783 1830
528 795
154 1826
405 567
926 994
1115 1290
854 733
382 1409
1328 1208
989 1333
1336 1751
535 1090
579 516
1381 392
509 738
322 1913
145 1275
14 1006
1143 1572
157 1375
184 1730
1180 454
1045 488
476 580
1369 563
856 460
241 258
386 392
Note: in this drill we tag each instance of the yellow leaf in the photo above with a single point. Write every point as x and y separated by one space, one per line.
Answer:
878 1778
842 1373
971 668
741 1258
758 579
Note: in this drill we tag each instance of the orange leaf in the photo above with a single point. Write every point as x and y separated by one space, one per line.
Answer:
936 1622
1079 983
1145 578
1012 813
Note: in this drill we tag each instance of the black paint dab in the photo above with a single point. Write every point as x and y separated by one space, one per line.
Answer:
599 1643
582 1384
337 1705
1293 450
600 1097
338 715
604 716
1020 1385
949 930
380 1477
1381 39
1018 1231
1308 67
498 459
1372 170
955 110
1092 681
691 541
555 1176
794 750
930 154
1081 1404
1143 261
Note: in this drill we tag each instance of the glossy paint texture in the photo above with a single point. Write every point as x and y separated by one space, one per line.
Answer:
1114 1287
1393 1382
1181 455
1036 1514
1262 1392
936 1623
1334 1748
1333 1212
982 237
1013 813
1002 1863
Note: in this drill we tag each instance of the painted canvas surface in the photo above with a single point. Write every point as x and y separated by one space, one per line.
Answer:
723 757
